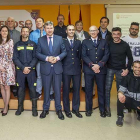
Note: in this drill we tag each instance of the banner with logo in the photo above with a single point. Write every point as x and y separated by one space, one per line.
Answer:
123 20
20 17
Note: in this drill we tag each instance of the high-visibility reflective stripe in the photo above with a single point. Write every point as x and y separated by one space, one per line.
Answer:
17 68
17 84
29 48
34 68
20 48
34 84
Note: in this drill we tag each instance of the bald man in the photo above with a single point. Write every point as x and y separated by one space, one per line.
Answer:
14 34
95 54
29 24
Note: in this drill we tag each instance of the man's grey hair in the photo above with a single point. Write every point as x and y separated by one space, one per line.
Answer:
48 23
10 18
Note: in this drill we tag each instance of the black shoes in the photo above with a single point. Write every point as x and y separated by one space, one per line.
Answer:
44 113
68 114
60 115
108 112
52 97
103 114
119 122
19 111
77 114
88 113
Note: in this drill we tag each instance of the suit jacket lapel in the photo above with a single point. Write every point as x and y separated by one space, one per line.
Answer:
46 44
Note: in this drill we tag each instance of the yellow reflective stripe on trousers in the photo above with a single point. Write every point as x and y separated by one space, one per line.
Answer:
20 48
29 48
17 84
34 84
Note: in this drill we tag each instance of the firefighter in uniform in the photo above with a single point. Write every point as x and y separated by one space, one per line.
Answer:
25 61
72 70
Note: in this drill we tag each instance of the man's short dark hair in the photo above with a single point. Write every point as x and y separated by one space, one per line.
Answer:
137 61
60 15
40 18
104 18
135 23
24 27
116 29
79 21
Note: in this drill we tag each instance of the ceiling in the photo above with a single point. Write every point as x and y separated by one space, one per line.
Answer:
66 2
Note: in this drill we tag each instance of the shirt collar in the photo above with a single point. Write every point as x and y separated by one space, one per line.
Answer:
49 36
94 39
102 31
70 39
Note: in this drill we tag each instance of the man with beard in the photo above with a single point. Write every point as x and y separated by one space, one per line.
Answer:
28 23
129 93
116 64
134 40
60 29
25 61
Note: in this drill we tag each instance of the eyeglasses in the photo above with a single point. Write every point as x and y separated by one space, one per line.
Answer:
28 23
134 29
93 30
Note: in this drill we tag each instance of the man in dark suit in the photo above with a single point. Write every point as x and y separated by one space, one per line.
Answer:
72 71
103 31
50 51
95 54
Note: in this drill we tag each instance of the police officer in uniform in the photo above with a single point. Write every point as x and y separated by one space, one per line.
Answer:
25 61
72 70
95 54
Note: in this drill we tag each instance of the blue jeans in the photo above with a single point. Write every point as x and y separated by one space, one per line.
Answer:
109 80
39 81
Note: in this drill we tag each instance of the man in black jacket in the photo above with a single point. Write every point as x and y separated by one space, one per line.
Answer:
129 93
103 31
116 64
25 61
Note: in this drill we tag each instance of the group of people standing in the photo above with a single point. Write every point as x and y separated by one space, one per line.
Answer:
51 57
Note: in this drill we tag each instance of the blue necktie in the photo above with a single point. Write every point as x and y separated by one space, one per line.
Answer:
95 44
71 43
50 45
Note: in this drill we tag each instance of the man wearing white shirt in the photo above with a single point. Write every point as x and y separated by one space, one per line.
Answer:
133 40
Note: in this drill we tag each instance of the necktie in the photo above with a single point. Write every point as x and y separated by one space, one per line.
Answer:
11 34
71 43
95 44
50 45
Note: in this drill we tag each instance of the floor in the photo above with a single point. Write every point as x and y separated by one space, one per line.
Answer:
26 127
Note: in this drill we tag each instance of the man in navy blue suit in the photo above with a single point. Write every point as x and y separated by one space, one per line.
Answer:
50 51
95 54
72 70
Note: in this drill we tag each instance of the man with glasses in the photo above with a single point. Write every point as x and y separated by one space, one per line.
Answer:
28 23
134 40
116 64
95 54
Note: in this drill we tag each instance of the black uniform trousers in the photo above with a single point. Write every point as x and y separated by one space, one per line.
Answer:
89 83
130 103
76 80
31 79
